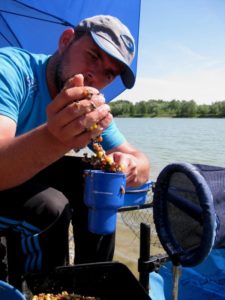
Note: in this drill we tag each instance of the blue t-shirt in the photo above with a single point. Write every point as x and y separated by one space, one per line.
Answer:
24 93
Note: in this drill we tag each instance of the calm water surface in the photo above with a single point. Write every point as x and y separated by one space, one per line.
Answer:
166 140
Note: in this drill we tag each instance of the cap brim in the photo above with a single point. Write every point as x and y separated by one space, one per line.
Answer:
127 74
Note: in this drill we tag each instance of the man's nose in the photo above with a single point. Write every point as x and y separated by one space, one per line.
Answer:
95 78
89 79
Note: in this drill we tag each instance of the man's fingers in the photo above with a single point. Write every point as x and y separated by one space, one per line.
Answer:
95 116
73 94
70 124
77 109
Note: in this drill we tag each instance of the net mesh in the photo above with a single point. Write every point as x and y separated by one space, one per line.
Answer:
133 217
186 231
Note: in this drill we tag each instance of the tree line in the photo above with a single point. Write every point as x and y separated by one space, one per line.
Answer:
161 108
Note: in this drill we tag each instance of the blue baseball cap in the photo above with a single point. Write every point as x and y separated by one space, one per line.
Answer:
115 39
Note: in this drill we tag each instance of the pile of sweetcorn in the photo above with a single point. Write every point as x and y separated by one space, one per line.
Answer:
63 296
101 161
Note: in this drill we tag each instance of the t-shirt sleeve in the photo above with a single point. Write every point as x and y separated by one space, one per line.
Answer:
112 137
11 87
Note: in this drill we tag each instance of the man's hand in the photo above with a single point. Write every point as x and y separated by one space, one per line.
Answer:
135 164
76 109
130 167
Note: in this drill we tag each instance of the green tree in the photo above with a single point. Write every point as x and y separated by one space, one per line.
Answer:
203 110
140 108
188 109
173 108
132 111
214 109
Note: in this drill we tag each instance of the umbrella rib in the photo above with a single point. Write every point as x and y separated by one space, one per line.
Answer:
5 38
9 28
30 17
62 21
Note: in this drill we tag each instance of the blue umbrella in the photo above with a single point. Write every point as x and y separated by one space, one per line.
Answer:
37 24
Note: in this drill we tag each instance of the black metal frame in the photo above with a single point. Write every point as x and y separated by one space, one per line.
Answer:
146 262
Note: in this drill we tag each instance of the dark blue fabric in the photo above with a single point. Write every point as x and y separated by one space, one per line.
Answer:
215 178
38 29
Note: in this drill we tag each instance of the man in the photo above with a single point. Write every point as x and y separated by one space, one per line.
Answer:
47 103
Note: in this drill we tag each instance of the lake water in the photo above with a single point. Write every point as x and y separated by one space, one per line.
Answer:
167 140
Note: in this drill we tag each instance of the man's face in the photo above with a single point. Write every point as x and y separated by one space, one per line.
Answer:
83 56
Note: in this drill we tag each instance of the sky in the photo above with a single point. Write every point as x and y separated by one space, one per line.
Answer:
181 51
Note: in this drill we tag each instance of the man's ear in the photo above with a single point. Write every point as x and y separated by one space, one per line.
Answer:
65 38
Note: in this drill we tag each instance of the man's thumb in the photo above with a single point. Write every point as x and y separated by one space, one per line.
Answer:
76 80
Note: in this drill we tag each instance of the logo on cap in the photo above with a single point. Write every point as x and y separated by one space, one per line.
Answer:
128 42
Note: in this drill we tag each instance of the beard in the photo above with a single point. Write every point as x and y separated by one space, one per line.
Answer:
59 82
62 67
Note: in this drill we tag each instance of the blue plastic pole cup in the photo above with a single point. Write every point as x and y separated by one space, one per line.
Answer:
137 195
103 195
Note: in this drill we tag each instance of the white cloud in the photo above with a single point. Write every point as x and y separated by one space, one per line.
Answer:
202 86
